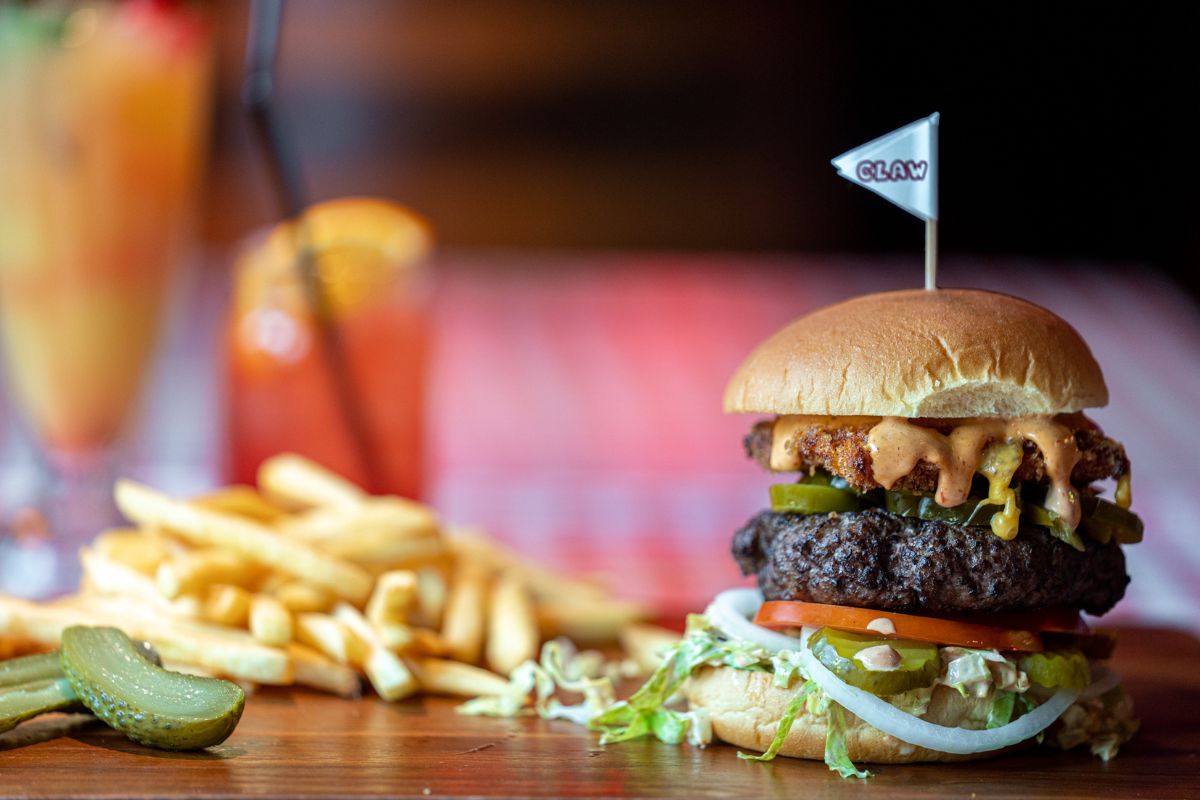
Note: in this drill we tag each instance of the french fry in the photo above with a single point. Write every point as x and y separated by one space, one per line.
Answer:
439 676
512 634
588 624
389 676
392 597
218 650
302 483
242 501
396 636
315 670
431 597
463 623
300 597
193 571
132 547
383 516
270 621
545 584
328 636
383 550
227 605
408 640
255 541
645 644
428 642
103 575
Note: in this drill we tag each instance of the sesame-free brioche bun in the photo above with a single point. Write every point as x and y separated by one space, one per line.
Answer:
919 353
746 707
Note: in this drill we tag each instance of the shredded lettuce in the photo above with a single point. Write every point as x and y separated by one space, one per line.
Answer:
559 668
794 707
1001 712
836 755
786 666
644 713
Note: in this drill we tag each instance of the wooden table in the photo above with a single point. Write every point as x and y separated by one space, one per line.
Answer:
293 744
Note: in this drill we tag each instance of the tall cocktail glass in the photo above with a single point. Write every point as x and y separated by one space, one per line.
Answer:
103 115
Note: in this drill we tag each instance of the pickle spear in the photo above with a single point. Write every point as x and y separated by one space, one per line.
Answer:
28 700
145 702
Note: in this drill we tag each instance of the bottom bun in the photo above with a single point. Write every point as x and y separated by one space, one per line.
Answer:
746 708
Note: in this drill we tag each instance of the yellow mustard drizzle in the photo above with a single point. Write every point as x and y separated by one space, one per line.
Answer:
1124 493
999 464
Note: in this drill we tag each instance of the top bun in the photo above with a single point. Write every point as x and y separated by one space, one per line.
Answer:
919 353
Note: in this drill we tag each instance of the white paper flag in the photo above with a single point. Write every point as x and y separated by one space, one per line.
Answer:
900 166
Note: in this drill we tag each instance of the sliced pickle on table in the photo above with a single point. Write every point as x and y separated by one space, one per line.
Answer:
113 677
20 702
811 498
842 652
40 667
1054 669
43 666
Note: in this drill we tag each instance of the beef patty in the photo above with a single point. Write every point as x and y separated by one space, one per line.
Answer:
874 559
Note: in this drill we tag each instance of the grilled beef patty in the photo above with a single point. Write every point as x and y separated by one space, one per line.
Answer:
874 559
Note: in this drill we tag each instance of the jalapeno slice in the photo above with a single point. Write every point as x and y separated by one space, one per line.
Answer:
811 498
1105 522
975 511
1056 525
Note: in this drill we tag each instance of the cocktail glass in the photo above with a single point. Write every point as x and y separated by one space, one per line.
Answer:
371 259
103 115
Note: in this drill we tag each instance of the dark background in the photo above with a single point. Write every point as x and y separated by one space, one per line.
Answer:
709 125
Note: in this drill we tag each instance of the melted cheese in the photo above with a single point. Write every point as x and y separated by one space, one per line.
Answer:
999 464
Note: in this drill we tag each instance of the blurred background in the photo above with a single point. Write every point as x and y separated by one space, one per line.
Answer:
621 197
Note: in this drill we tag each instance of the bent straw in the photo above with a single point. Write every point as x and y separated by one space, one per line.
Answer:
262 45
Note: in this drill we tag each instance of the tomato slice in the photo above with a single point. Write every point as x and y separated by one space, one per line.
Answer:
793 614
1048 620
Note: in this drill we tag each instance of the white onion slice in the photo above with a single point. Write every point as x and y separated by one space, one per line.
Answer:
917 731
1103 679
731 611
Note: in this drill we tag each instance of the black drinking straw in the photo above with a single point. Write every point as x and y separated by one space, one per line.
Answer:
283 163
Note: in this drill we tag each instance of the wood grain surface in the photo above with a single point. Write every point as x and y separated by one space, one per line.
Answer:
299 744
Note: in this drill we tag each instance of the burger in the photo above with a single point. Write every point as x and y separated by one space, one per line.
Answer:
937 526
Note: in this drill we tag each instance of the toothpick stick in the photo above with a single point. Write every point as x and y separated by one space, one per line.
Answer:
930 254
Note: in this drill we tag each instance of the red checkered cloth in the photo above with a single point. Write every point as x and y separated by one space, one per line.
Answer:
577 405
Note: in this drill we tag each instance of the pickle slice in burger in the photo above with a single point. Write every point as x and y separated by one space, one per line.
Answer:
880 666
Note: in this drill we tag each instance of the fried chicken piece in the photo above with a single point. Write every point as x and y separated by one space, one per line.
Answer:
844 451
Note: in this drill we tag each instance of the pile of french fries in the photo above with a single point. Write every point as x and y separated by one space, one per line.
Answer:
307 580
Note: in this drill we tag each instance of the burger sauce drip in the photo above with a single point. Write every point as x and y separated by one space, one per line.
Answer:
897 445
1057 444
